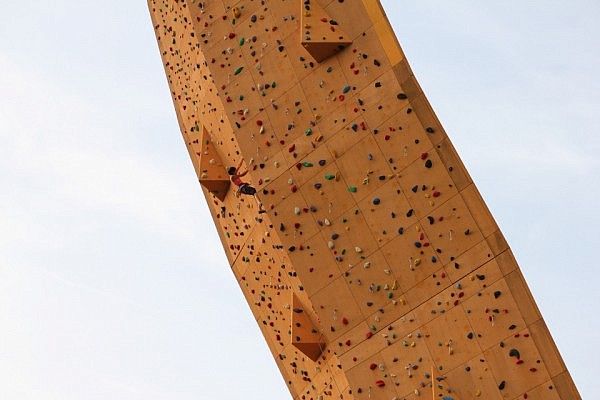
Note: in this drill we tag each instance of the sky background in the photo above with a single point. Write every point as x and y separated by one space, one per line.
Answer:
113 283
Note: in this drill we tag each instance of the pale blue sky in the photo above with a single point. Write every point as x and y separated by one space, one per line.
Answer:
113 284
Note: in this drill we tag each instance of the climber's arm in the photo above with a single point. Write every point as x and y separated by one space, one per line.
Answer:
238 170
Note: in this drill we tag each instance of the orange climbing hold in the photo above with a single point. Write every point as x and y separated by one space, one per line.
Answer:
212 173
305 335
322 37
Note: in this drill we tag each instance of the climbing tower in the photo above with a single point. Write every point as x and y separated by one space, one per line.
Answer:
377 271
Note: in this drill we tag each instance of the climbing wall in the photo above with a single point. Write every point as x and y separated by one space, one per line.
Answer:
377 271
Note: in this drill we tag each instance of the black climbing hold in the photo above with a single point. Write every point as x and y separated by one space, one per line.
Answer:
430 130
402 96
428 164
502 385
497 294
514 353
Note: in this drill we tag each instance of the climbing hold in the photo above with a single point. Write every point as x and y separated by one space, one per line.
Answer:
238 70
376 201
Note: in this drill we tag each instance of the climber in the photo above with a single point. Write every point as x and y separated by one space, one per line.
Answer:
235 176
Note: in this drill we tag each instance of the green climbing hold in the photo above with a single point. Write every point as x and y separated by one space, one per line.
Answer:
346 89
307 164
514 353
238 70
308 132
352 189
390 295
242 41
274 85
329 177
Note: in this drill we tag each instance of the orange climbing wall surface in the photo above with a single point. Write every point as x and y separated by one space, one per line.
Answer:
376 256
